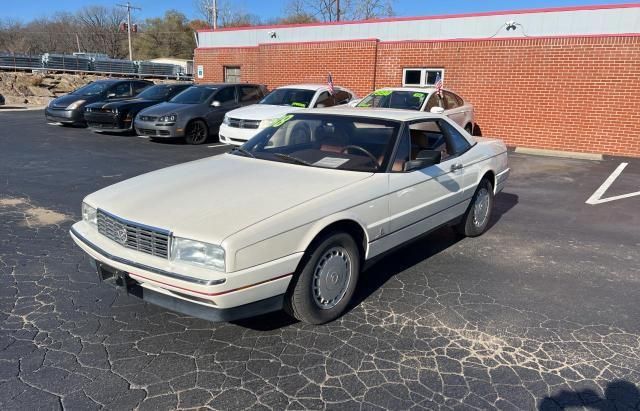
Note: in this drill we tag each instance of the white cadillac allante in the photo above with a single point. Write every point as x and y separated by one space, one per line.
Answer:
290 219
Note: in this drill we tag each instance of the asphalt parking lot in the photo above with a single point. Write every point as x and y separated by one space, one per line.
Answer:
540 312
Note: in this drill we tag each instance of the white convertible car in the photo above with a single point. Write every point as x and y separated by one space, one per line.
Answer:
290 219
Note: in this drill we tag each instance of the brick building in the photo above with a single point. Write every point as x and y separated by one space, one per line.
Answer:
562 78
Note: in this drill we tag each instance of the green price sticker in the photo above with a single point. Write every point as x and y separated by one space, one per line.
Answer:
297 104
382 92
281 120
419 95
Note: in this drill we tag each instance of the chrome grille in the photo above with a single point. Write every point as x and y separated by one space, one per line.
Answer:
240 123
149 240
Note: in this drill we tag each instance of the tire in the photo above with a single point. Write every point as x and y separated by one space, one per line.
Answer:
475 220
324 284
196 132
469 128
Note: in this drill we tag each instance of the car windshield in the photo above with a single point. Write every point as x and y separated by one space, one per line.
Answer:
325 141
407 100
159 92
92 89
294 97
194 95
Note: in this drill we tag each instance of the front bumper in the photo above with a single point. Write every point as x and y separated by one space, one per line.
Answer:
187 289
107 122
158 130
64 116
236 136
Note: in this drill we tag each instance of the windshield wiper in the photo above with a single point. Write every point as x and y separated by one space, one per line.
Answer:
243 151
292 158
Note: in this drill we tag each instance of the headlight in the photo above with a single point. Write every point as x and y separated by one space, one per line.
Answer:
75 104
198 253
169 118
89 214
266 123
226 120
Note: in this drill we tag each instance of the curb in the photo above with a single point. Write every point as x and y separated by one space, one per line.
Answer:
558 153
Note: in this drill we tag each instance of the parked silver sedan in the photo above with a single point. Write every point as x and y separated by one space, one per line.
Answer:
423 99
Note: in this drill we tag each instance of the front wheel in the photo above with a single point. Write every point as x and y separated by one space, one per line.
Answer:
476 219
323 286
196 132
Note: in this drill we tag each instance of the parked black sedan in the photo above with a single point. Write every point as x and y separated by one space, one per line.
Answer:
69 109
117 116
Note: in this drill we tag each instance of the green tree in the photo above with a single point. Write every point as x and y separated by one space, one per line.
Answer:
167 36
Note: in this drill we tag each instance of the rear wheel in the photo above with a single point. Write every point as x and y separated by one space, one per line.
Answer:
324 285
196 132
476 219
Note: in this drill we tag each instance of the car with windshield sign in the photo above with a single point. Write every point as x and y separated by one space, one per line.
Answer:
302 209
423 99
196 113
69 109
242 124
117 116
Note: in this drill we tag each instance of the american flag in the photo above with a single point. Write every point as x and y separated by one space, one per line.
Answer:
438 84
330 84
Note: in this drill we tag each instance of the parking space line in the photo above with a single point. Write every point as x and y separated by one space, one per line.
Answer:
217 145
596 197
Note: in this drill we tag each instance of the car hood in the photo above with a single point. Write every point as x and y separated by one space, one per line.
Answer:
64 101
261 112
123 103
168 108
213 198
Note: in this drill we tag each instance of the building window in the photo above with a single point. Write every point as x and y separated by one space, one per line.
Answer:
231 74
421 77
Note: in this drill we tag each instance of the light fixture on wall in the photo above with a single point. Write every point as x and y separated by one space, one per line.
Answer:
272 34
511 25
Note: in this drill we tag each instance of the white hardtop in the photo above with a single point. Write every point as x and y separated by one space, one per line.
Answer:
306 86
379 113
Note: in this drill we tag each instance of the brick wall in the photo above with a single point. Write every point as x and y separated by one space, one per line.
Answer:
575 94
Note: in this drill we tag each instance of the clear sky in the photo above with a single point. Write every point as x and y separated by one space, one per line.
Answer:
25 10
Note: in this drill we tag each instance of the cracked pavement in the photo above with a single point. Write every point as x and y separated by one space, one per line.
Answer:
540 312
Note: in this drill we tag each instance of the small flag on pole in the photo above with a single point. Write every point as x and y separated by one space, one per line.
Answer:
330 84
438 84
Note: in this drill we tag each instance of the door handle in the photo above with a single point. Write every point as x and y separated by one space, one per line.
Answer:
457 166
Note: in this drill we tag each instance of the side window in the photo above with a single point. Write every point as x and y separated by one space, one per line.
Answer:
456 143
427 135
342 97
325 100
138 86
434 101
249 94
450 101
226 95
459 100
122 90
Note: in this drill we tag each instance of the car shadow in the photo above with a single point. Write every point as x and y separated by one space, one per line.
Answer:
395 262
619 395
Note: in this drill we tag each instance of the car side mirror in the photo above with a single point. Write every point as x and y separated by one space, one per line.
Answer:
437 110
215 103
424 159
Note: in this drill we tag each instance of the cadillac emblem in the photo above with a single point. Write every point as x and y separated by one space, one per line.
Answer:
121 235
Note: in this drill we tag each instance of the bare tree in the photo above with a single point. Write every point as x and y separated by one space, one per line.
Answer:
228 14
327 10
100 30
371 9
12 37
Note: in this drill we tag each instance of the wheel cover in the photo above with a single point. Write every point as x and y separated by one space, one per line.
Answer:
481 207
197 133
331 277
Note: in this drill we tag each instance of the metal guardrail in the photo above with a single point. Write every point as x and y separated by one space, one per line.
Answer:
79 64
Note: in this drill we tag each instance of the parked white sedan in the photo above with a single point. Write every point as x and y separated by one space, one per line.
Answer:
423 99
242 124
290 219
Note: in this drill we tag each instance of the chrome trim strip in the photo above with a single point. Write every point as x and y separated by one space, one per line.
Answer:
120 260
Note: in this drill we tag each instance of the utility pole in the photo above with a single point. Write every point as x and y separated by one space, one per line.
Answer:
337 10
214 14
128 6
